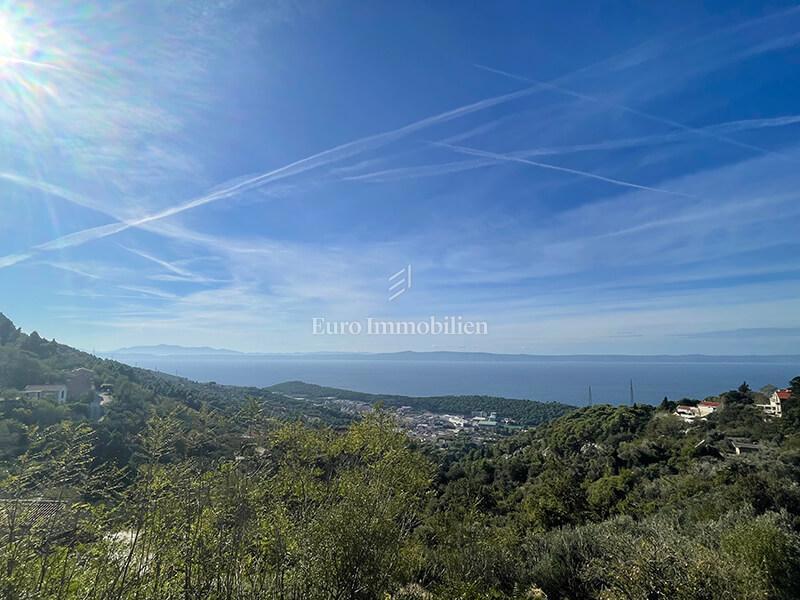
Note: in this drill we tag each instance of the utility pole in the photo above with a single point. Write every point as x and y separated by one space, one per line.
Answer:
591 403
631 392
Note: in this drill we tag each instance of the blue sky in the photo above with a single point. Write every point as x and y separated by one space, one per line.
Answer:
602 179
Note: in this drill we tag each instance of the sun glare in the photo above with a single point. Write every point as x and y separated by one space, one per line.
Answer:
32 70
6 37
21 40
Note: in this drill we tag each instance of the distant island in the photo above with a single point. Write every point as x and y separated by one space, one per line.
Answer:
174 351
171 350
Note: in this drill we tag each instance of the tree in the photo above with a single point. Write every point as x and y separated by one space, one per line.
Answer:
604 493
556 498
8 332
19 370
741 395
766 553
791 409
37 345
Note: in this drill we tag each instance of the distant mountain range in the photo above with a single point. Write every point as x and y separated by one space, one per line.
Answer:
171 350
166 350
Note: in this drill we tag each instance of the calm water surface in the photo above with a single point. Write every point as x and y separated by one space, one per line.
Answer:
562 381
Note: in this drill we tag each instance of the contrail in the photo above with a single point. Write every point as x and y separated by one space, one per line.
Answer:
716 211
32 63
634 111
525 161
325 157
54 190
746 124
400 173
83 236
177 273
162 263
13 259
71 269
609 61
305 164
315 160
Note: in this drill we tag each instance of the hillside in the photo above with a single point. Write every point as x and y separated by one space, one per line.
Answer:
135 394
525 412
185 490
630 502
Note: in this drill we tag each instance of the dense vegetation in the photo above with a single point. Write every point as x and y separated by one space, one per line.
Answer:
174 494
631 502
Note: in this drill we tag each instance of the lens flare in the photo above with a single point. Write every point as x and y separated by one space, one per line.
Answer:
6 36
29 66
18 40
33 74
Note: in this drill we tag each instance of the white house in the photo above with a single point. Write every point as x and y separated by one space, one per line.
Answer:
56 393
700 411
687 413
707 407
776 400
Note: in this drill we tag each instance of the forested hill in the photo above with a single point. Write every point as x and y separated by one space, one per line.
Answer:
134 396
526 412
27 359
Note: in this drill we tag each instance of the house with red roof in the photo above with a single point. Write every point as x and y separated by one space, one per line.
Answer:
699 411
776 401
706 407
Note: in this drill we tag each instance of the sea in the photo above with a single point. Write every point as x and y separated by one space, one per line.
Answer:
548 380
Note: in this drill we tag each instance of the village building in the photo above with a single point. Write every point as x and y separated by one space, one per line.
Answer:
776 402
686 412
743 446
699 411
80 383
707 407
56 393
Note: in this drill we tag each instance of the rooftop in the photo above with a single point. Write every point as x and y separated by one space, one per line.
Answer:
744 444
45 388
